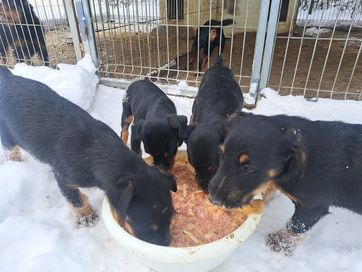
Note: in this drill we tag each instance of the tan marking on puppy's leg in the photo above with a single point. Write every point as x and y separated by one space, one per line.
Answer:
85 216
284 241
14 154
124 135
124 132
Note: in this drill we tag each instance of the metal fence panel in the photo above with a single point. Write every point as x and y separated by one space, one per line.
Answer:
321 55
316 51
36 32
154 38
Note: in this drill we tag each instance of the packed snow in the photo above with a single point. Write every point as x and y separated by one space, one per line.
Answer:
36 228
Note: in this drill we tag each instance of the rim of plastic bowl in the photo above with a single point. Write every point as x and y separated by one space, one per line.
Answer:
182 254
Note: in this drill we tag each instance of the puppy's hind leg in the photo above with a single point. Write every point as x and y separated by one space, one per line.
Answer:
127 119
83 212
14 154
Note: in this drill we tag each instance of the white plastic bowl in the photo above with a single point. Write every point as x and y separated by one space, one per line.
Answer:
181 259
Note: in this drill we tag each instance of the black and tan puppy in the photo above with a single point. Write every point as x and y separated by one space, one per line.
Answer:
21 30
156 122
218 97
84 152
317 164
210 33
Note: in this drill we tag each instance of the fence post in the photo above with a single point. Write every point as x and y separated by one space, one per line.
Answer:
269 43
86 29
69 8
259 49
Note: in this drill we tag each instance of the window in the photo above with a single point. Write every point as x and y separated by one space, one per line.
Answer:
175 9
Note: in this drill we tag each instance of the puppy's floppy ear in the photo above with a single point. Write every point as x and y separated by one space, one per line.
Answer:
190 128
178 122
294 156
172 183
137 129
120 195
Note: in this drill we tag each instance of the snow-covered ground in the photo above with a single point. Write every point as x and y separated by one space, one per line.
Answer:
36 227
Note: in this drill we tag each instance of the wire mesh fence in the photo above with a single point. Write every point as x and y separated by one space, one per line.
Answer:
316 53
35 32
321 55
155 38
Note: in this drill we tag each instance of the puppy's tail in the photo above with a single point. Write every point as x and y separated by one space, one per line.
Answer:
4 72
227 22
218 61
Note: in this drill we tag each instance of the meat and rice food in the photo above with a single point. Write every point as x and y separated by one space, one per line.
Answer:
197 221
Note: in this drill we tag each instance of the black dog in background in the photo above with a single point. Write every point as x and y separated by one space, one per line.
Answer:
84 152
317 164
211 32
219 96
156 122
21 30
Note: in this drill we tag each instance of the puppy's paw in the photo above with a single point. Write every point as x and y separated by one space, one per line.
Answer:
284 241
14 154
87 220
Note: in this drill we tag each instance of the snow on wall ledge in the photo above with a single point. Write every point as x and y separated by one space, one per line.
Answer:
77 83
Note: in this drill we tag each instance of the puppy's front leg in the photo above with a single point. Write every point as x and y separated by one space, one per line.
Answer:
126 120
83 212
303 219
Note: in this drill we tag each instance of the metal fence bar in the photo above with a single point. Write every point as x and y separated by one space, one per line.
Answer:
188 45
167 43
341 59
244 40
86 29
221 25
148 14
144 41
198 40
270 42
73 28
290 32
177 39
232 37
353 72
328 52
312 58
299 52
158 49
259 48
